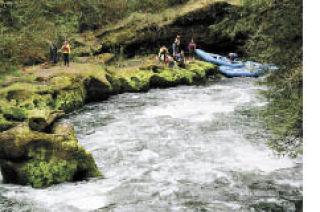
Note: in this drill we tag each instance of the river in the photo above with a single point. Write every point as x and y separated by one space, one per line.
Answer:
187 148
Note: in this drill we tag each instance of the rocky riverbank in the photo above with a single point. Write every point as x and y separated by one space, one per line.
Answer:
38 151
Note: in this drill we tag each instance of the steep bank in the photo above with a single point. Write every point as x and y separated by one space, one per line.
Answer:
34 150
142 33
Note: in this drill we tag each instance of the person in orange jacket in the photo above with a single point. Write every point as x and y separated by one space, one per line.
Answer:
66 52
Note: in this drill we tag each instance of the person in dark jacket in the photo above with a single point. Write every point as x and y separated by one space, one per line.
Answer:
233 56
54 53
180 58
176 46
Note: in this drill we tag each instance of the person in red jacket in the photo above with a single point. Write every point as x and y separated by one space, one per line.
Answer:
192 49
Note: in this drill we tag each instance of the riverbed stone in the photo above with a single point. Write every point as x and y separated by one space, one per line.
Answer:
41 159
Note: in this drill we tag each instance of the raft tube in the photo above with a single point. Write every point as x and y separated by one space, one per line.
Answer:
218 59
240 72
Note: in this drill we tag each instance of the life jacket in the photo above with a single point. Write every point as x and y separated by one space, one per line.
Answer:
66 49
163 51
192 46
178 57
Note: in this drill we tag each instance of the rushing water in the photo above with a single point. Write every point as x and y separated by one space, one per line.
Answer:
188 148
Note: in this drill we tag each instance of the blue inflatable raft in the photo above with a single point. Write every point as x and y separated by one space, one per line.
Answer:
236 68
240 72
218 59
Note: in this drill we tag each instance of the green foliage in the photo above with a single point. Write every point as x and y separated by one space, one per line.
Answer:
5 124
28 27
282 44
271 32
278 39
267 30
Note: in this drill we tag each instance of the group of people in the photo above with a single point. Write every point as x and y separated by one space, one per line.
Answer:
65 50
178 55
177 58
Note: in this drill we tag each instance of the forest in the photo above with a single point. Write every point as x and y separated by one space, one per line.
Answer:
272 31
131 123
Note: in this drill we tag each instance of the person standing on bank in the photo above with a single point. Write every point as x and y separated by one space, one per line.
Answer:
192 49
176 46
66 52
54 53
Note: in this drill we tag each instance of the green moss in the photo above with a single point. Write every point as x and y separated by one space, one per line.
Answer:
166 77
14 113
40 159
5 124
43 101
40 174
150 75
139 81
40 120
69 100
23 90
61 82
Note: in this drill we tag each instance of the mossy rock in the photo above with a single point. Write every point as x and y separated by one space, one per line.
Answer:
97 89
69 100
114 82
62 82
5 124
40 120
18 95
44 101
14 113
166 77
41 160
137 83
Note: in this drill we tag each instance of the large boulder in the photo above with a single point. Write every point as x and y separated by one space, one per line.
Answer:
40 159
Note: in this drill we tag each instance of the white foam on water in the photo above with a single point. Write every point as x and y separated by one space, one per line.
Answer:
179 139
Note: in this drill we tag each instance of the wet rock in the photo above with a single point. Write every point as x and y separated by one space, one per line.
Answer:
38 159
97 89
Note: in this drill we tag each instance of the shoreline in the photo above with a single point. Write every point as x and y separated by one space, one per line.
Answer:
36 150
